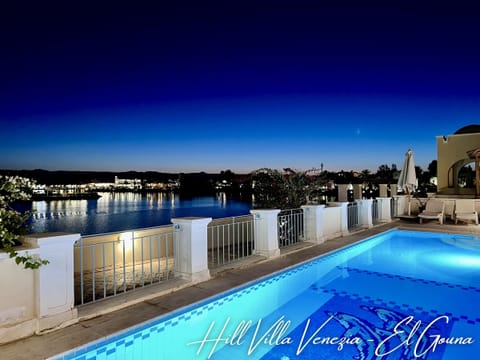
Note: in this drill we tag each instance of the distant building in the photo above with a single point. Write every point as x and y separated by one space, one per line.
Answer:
104 186
128 184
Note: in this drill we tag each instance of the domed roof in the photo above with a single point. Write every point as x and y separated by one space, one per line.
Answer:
469 129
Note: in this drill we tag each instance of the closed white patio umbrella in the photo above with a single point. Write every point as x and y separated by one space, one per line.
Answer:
408 178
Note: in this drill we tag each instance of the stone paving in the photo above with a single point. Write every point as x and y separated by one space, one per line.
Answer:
97 320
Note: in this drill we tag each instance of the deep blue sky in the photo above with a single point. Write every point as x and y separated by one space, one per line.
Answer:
237 85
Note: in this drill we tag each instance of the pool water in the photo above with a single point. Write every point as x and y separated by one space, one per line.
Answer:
398 295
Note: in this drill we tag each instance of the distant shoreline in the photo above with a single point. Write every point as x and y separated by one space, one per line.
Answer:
80 196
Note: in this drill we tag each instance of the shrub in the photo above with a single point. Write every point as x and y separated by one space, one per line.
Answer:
13 223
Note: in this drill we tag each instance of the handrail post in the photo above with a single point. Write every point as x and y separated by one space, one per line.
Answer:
266 232
365 213
313 222
191 248
384 210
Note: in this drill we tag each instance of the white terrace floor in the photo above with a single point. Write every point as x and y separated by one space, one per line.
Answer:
98 320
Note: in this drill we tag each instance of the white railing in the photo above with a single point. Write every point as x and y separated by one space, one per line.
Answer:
111 264
353 220
229 240
290 227
375 211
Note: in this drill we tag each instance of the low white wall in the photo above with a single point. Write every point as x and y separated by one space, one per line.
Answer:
17 300
414 204
32 301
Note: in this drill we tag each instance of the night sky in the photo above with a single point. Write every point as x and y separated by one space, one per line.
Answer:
216 85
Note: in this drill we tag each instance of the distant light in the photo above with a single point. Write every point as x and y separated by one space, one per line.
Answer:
127 239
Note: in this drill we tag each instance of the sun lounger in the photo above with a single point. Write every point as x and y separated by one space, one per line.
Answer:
465 210
435 209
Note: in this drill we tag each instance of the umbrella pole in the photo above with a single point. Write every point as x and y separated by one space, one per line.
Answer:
409 202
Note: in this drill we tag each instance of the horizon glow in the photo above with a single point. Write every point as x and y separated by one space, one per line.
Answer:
195 89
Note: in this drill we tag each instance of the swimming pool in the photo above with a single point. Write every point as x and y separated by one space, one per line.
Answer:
398 295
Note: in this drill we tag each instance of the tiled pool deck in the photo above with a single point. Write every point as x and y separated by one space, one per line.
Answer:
97 327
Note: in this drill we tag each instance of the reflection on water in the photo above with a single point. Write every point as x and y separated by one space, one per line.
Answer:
123 211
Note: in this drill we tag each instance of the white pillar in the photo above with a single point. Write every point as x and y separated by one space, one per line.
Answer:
357 191
343 216
266 232
384 211
383 190
393 190
191 250
54 282
365 213
313 223
342 192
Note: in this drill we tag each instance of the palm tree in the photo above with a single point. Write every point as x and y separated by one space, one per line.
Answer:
366 174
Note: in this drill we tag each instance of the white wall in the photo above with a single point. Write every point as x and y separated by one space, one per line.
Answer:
32 301
17 300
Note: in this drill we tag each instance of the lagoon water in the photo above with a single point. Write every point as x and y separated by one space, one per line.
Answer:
124 211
